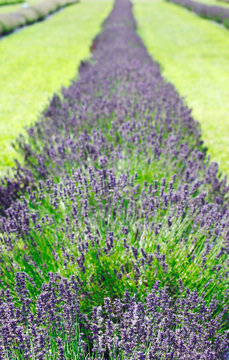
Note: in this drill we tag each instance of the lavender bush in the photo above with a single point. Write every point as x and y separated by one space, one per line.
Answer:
159 328
114 234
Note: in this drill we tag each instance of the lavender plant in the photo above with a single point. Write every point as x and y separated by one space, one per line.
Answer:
114 235
158 328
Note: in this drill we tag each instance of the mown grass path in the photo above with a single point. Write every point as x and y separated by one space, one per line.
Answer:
194 56
37 61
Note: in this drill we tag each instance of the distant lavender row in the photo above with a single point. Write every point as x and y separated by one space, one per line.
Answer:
115 234
217 13
25 16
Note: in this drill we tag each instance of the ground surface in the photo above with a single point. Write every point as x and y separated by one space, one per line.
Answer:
194 56
36 61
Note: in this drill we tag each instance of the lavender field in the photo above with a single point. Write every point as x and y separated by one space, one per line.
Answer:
115 231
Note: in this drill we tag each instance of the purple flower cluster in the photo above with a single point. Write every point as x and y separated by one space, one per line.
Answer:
116 230
159 328
217 13
133 218
31 334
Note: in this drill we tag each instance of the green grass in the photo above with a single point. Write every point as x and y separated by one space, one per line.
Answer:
6 2
9 8
194 56
37 61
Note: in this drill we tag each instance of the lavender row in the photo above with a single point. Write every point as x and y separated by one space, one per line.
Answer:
110 234
217 13
158 328
114 235
29 15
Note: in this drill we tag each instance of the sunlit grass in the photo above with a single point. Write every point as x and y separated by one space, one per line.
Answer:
8 2
194 55
36 61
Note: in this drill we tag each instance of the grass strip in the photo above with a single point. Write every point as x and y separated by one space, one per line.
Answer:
216 13
37 61
10 2
194 56
31 14
120 243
